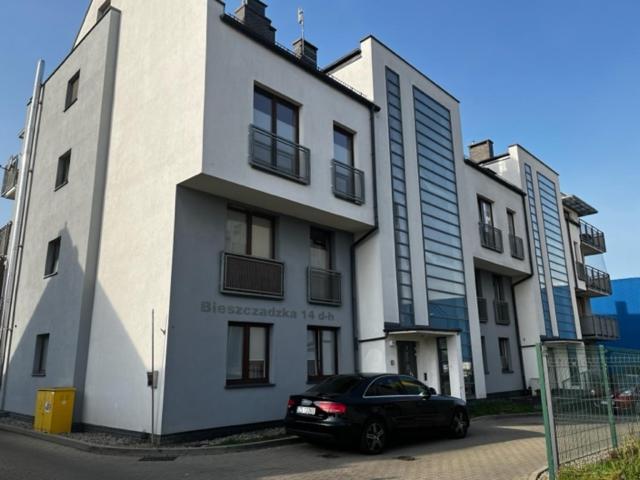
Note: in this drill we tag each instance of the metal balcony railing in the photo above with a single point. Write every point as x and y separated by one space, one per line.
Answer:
324 286
279 156
483 311
10 180
593 238
517 247
491 237
600 327
246 275
5 234
501 309
597 280
348 182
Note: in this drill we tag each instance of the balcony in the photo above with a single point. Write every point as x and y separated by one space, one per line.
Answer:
501 309
598 283
5 234
10 180
592 239
348 182
252 276
278 156
483 311
517 247
324 286
491 237
599 327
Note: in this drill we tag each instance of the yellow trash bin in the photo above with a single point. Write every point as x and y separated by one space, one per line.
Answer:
54 410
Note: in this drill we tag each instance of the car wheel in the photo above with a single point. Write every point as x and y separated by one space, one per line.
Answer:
459 424
374 437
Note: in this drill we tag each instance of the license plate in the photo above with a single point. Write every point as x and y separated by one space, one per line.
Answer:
306 410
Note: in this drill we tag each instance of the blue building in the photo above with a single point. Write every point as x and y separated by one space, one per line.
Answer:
624 303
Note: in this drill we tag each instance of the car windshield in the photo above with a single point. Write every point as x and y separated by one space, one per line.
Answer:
337 385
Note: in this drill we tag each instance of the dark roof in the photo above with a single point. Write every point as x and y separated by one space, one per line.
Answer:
293 58
494 176
578 205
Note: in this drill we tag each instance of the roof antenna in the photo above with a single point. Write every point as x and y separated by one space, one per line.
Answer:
301 22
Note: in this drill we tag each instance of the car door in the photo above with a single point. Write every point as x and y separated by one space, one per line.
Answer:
387 397
425 409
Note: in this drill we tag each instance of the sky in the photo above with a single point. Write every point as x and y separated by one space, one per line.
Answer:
560 77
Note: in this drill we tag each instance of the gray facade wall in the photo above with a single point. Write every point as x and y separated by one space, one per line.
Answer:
60 305
195 395
496 380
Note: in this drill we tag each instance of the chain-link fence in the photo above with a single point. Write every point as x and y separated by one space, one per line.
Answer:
591 400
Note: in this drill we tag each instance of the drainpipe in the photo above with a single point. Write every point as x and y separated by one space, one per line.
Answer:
354 291
16 242
513 294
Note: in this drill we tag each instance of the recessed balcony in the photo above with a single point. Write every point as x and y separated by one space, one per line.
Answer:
252 276
10 180
597 282
591 239
600 327
324 286
491 237
278 156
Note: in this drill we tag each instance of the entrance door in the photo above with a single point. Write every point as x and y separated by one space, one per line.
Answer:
407 359
443 365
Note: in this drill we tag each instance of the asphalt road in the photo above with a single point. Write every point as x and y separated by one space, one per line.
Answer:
504 449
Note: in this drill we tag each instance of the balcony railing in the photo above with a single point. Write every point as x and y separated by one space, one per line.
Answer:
244 275
501 309
279 156
483 311
10 179
491 237
5 234
597 281
348 182
592 238
600 327
324 286
517 247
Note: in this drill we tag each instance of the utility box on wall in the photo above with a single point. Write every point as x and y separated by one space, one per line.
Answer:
54 410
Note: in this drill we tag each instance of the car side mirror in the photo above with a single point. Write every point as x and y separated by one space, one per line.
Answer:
432 391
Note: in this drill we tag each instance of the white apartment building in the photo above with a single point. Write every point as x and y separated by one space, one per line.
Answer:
207 222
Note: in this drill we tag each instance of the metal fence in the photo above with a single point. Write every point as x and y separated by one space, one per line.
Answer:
591 400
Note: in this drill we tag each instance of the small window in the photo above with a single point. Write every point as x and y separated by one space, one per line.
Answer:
247 353
342 146
505 355
249 234
485 211
40 357
72 90
62 175
104 8
53 256
478 276
484 356
321 256
498 288
385 387
322 352
511 218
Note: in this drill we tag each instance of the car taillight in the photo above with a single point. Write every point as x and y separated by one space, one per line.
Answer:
291 403
331 407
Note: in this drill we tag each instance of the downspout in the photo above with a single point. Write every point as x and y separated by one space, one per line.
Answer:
361 240
513 294
16 242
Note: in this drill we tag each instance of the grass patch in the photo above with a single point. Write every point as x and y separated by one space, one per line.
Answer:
622 464
480 408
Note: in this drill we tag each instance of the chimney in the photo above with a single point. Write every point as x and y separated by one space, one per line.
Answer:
480 151
253 14
307 52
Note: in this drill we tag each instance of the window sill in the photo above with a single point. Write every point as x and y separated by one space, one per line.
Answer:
49 275
58 187
234 386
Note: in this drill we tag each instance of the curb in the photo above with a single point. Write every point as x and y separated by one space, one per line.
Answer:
506 416
156 452
535 475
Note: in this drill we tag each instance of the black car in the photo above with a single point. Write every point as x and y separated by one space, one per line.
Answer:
365 409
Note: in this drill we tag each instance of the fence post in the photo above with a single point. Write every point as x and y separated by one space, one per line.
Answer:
547 414
607 392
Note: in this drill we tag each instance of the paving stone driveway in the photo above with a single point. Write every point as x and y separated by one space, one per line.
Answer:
503 449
